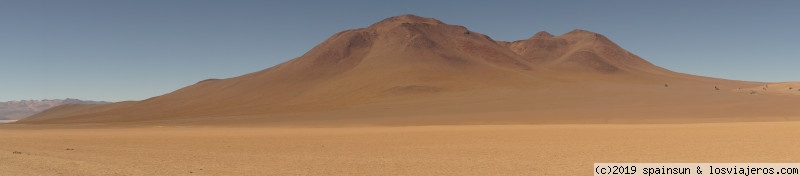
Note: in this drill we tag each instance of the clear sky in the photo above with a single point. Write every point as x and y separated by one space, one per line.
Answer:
117 50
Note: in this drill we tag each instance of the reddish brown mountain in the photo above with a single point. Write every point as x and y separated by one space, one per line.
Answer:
416 65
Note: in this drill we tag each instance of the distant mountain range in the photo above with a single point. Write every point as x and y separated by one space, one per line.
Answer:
15 110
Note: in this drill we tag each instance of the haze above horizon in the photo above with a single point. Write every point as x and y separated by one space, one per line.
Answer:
133 50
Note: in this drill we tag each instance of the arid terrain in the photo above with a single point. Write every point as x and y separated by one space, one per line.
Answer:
415 150
411 95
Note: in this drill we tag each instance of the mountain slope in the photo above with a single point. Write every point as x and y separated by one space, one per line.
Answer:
424 66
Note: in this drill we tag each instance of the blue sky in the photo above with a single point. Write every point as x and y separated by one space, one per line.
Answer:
118 50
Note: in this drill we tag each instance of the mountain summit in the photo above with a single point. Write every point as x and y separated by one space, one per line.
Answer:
402 59
542 35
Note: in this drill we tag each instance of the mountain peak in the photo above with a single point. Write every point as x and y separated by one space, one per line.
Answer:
580 31
542 34
584 35
407 18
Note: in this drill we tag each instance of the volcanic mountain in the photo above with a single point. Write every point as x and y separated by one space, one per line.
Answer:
415 70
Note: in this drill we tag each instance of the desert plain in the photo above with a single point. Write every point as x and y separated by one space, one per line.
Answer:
561 149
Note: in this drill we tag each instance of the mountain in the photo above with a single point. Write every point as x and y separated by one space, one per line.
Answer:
411 69
15 110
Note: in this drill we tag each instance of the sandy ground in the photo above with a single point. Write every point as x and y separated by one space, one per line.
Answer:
420 150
